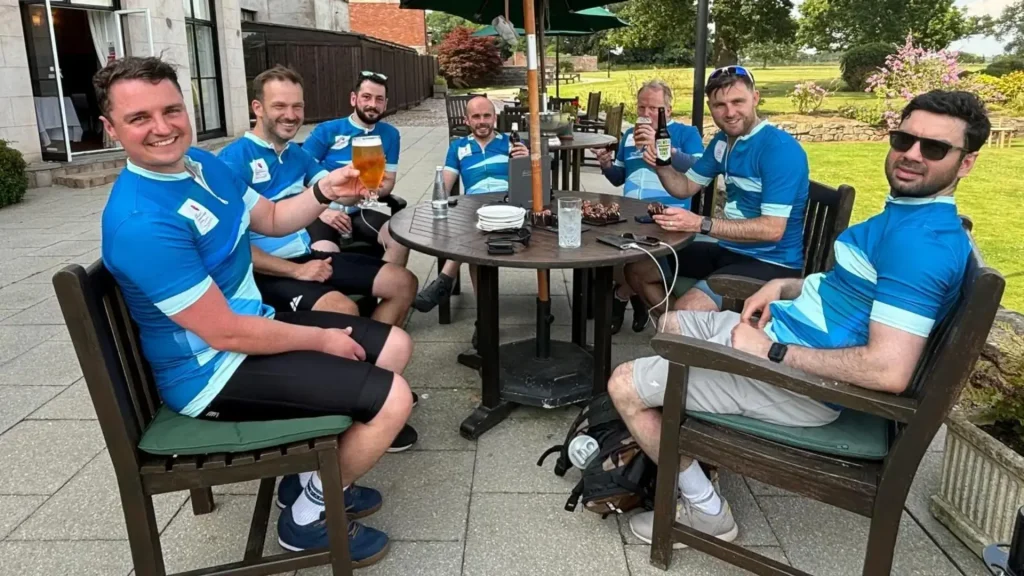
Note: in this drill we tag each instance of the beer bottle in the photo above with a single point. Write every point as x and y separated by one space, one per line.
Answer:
662 141
513 137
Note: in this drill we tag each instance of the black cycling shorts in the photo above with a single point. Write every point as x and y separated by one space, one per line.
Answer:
366 225
701 260
307 384
352 274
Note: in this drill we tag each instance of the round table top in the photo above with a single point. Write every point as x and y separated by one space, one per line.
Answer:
580 141
457 238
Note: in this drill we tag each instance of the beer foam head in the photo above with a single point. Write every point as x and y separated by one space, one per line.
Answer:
367 141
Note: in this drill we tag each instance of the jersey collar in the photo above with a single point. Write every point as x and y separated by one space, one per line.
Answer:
159 176
263 143
355 124
903 201
760 126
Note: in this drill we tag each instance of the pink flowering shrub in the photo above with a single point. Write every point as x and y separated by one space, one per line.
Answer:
808 96
912 71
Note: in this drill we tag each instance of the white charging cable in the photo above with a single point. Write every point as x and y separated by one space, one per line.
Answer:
664 280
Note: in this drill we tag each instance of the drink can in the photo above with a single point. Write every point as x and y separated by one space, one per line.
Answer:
583 450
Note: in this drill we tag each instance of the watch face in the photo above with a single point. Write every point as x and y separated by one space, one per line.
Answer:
705 226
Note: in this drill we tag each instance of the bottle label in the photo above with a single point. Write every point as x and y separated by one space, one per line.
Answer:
664 149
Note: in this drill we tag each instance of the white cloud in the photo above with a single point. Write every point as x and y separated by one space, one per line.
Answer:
985 7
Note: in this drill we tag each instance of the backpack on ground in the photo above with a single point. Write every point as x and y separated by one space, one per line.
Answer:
621 477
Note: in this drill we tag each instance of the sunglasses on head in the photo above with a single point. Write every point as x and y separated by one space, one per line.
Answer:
931 149
732 71
375 75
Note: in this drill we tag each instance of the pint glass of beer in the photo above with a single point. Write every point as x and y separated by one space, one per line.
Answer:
368 158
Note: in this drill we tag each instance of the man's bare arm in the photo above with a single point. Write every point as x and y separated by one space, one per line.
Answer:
886 364
760 229
212 319
676 183
272 265
281 218
450 178
387 185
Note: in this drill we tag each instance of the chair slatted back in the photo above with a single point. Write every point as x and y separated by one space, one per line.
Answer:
508 116
613 121
593 106
828 215
455 107
107 344
703 203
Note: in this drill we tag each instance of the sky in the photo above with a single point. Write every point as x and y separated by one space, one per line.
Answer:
984 45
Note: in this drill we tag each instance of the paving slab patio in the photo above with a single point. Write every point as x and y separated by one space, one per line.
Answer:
453 506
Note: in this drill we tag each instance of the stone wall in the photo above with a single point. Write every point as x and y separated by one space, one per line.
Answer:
844 131
582 63
17 106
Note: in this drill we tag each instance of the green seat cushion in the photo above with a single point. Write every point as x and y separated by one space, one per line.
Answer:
171 434
853 435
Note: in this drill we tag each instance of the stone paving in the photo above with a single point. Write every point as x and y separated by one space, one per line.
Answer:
452 506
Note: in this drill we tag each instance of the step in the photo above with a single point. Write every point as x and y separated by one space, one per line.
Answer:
88 179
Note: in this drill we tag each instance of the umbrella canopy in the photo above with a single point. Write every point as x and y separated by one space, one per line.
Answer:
591 20
563 14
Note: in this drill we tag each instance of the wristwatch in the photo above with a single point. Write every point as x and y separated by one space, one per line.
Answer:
777 352
320 195
705 225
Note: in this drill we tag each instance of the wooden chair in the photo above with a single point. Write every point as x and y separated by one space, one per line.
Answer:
591 118
876 487
828 215
612 127
455 107
155 450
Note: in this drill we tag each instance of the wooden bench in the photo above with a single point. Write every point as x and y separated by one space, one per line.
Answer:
799 459
827 216
155 451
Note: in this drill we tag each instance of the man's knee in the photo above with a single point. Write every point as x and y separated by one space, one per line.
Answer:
325 246
621 388
399 344
696 299
395 281
669 324
398 405
338 303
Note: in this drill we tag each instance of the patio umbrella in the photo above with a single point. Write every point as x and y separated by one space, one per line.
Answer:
484 11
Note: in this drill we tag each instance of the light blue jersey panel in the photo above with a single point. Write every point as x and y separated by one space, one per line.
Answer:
330 144
483 169
642 181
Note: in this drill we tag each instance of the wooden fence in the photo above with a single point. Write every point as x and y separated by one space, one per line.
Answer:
330 62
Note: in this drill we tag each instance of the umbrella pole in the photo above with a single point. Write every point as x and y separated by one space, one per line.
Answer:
558 45
529 22
699 66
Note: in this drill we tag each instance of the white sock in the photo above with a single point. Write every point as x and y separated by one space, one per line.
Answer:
697 489
310 504
304 478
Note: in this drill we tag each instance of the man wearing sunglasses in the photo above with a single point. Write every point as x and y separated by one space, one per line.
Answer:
330 143
865 322
766 182
481 160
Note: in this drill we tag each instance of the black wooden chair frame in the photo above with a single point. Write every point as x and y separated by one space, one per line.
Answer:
126 401
455 108
875 489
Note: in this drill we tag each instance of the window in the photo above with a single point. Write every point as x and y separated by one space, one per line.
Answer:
248 15
201 31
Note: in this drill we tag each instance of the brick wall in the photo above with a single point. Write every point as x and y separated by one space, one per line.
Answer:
385 20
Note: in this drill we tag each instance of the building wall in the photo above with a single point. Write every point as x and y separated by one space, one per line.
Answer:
319 14
17 108
385 20
232 66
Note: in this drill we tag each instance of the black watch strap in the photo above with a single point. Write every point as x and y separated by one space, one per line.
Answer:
705 225
777 353
320 195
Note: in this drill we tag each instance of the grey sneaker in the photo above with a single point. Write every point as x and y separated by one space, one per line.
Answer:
433 293
721 525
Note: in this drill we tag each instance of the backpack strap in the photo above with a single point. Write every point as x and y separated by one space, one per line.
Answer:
574 497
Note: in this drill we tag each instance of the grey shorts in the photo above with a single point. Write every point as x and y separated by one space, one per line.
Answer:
721 393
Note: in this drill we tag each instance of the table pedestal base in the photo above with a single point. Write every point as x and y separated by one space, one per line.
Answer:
483 419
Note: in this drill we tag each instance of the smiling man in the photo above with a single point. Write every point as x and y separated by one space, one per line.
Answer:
766 184
175 236
865 322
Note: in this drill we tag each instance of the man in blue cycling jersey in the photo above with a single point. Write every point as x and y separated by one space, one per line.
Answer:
289 272
865 322
766 182
175 237
627 168
330 144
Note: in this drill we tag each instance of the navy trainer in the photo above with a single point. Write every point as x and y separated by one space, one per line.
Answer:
360 501
366 545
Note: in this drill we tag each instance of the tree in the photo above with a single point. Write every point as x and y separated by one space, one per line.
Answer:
1010 25
742 23
654 25
840 24
768 52
467 60
440 24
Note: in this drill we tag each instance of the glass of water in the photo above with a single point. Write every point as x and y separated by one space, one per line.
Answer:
570 222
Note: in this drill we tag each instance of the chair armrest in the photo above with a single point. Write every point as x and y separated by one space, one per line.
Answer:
697 353
395 203
735 287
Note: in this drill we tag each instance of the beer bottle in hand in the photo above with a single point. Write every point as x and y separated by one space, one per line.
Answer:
513 137
662 141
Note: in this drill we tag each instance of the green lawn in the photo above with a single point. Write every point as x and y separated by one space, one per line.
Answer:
774 83
990 196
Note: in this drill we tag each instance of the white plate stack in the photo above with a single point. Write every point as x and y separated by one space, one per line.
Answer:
493 218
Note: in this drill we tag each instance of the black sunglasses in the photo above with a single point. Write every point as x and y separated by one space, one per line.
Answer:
375 75
733 71
931 149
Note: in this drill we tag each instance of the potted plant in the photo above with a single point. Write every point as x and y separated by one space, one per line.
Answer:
13 180
440 86
982 484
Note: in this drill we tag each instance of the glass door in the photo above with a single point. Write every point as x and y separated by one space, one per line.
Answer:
201 31
139 28
47 90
